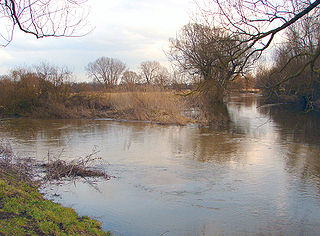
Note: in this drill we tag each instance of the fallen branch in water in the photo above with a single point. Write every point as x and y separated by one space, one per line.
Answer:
54 169
81 167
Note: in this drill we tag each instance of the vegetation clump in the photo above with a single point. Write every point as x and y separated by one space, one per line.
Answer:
24 211
288 29
44 92
163 107
81 167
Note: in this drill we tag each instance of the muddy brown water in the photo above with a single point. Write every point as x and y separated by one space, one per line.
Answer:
258 175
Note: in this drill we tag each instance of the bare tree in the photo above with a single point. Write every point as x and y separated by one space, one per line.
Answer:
54 74
163 77
209 53
27 90
154 73
180 80
130 77
41 18
294 76
53 80
258 22
106 71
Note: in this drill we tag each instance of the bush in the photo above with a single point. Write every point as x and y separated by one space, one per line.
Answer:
24 91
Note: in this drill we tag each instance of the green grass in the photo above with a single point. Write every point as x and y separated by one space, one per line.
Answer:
24 211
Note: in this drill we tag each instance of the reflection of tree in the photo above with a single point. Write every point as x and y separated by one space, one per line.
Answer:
219 142
136 132
222 118
65 135
214 146
294 125
218 116
243 112
300 133
28 129
303 161
247 100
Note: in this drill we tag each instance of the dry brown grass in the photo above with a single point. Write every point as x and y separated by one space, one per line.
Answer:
26 98
156 106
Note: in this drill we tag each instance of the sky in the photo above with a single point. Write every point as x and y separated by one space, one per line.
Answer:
130 30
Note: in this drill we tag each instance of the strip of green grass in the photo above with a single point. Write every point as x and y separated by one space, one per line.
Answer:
24 211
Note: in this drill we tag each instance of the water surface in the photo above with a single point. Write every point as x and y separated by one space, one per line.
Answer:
259 175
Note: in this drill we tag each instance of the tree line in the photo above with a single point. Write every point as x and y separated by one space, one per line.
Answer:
232 40
112 72
223 45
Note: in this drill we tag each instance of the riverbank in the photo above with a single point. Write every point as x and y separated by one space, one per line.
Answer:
24 211
164 107
300 102
180 179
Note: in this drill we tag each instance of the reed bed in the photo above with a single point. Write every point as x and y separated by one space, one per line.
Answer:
156 106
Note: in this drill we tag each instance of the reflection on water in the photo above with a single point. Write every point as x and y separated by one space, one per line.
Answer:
259 175
218 116
300 133
294 127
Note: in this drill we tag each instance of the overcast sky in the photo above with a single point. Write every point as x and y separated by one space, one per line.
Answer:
130 30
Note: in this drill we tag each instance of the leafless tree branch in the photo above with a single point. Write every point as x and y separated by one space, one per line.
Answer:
42 18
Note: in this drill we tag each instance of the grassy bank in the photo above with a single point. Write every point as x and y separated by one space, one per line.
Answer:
24 211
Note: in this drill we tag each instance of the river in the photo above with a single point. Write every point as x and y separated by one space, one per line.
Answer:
259 175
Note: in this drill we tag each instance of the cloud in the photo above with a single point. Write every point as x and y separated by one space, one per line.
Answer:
130 30
5 56
5 59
